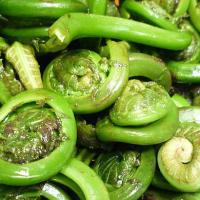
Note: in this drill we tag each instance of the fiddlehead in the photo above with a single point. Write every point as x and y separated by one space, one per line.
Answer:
88 181
79 25
180 101
45 135
175 8
194 12
88 82
47 190
69 183
150 11
40 9
24 62
126 173
182 152
151 67
185 67
192 53
143 115
128 109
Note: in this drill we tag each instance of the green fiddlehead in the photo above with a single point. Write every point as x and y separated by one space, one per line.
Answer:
127 174
88 181
79 25
26 35
185 68
185 72
40 9
194 12
152 12
180 101
24 62
44 137
151 67
47 190
182 152
144 114
97 6
175 8
192 53
128 109
65 181
88 82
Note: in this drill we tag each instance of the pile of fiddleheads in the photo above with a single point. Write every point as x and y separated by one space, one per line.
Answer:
99 100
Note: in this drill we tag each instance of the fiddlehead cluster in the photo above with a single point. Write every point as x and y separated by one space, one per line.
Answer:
113 113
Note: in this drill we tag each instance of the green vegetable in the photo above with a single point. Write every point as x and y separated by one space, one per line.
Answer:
30 173
194 12
190 114
79 25
26 35
151 67
140 104
88 181
192 53
182 152
63 180
175 8
127 174
160 182
97 6
88 82
40 9
184 72
47 190
180 101
24 62
152 12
